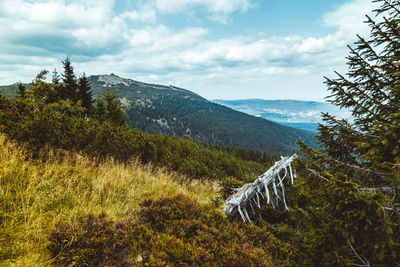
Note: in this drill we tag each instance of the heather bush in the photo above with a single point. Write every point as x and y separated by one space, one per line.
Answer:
170 231
94 242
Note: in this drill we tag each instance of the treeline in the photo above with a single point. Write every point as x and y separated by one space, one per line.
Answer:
247 154
63 114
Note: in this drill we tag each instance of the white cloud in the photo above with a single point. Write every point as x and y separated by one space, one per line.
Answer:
214 6
349 18
38 35
145 15
311 45
69 26
273 70
219 9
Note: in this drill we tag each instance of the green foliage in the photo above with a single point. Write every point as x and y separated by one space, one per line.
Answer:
346 206
85 94
61 187
109 109
69 87
56 77
329 219
175 231
43 118
21 90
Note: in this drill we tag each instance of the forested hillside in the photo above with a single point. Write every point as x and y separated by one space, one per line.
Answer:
173 111
53 114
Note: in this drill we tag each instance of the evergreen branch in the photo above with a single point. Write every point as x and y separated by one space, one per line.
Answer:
375 56
319 155
377 30
360 94
390 6
394 30
348 127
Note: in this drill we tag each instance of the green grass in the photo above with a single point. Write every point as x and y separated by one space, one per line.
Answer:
34 196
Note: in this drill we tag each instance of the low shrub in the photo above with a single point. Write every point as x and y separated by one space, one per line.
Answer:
169 231
94 242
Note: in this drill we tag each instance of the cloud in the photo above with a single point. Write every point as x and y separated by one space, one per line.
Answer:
58 27
349 18
135 44
219 9
145 15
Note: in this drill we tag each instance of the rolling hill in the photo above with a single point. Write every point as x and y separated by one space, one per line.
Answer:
174 111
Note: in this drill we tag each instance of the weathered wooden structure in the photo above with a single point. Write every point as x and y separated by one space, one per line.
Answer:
271 181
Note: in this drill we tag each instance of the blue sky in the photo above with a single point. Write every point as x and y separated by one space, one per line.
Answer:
226 49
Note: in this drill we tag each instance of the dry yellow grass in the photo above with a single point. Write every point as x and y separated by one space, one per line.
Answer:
34 196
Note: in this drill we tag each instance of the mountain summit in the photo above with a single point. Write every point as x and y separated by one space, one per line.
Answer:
174 111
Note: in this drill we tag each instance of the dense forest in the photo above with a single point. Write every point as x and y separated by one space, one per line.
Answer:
77 181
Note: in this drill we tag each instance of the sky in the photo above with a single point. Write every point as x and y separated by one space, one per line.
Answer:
220 49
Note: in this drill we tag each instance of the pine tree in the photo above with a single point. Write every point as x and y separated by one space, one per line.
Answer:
109 109
21 91
69 88
56 77
358 168
85 94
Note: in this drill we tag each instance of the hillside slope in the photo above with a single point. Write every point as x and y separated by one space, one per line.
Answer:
174 111
35 196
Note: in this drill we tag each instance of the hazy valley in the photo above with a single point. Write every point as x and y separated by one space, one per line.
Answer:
304 115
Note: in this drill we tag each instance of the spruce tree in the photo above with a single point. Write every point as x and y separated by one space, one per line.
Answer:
69 88
353 182
85 94
56 77
21 91
109 109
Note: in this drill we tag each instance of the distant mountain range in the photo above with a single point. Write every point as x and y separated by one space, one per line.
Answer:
294 113
174 111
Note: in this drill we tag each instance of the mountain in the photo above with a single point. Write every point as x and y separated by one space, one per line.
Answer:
174 111
294 113
170 110
9 91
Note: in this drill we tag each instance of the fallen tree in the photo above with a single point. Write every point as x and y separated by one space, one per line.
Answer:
272 180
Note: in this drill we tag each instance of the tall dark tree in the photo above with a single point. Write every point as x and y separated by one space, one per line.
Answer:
21 90
69 88
353 182
56 77
109 109
85 94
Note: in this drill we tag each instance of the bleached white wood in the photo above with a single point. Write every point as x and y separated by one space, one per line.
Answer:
252 191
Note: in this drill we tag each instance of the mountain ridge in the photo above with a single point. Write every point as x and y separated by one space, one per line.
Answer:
174 111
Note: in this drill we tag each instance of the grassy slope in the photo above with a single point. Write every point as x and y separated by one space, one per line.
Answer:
35 196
